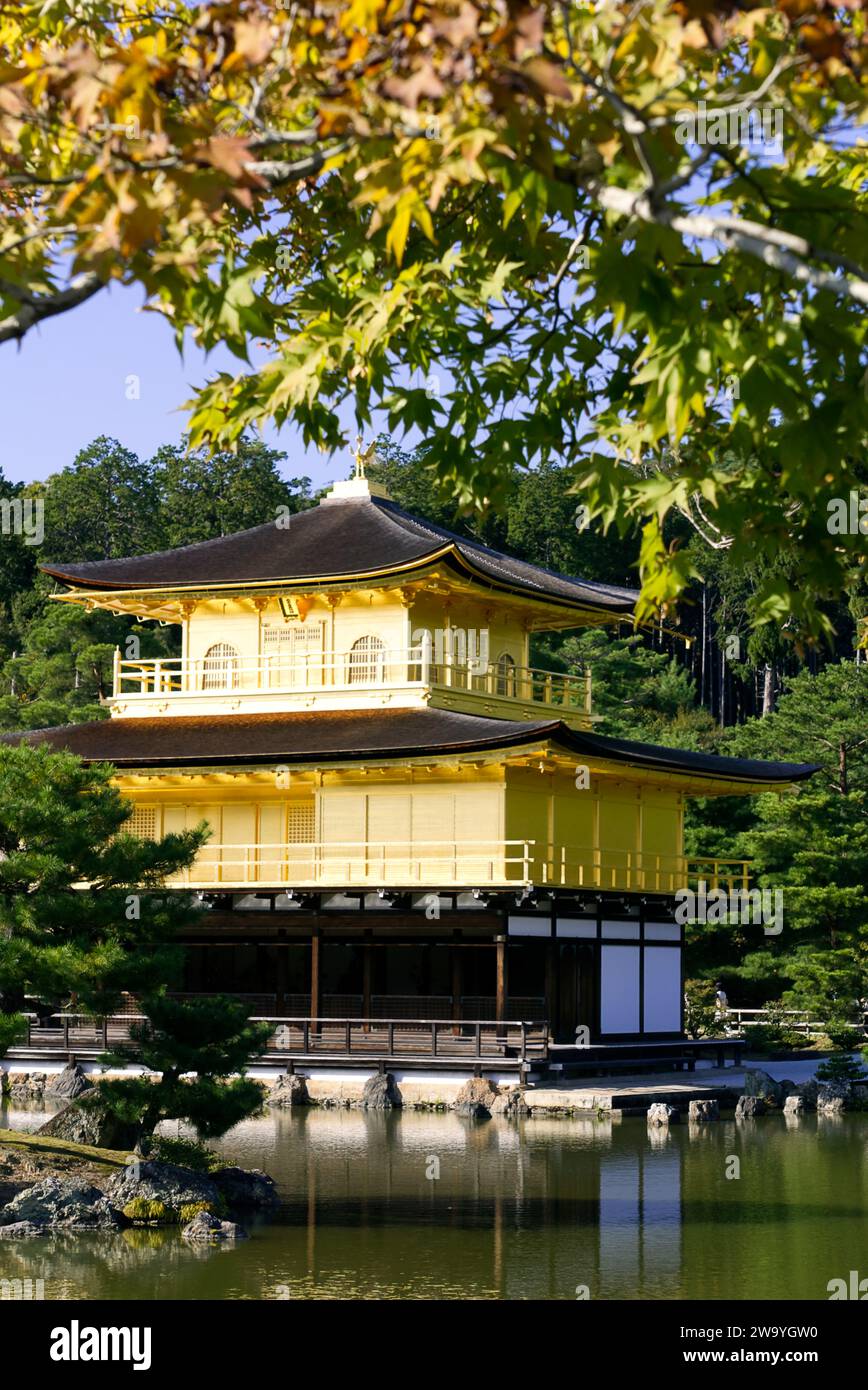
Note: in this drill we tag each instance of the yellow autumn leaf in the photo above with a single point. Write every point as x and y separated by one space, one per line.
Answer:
396 237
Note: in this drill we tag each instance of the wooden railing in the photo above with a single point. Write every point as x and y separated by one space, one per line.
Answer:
525 683
468 1040
473 1039
348 671
799 1020
464 863
443 1007
361 863
719 873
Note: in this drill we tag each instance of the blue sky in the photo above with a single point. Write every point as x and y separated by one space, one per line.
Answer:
66 384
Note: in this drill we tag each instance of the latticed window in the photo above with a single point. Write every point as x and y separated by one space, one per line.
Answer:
293 641
219 667
294 653
505 674
366 660
143 823
300 824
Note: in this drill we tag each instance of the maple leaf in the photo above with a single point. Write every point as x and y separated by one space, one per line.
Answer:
253 41
409 90
228 153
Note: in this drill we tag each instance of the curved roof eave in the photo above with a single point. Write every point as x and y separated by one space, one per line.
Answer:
356 736
375 538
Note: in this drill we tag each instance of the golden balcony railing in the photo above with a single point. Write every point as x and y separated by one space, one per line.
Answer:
467 864
350 672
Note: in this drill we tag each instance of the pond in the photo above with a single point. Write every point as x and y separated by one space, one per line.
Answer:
420 1206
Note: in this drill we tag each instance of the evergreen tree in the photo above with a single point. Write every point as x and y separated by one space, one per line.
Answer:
104 506
545 527
638 692
17 564
64 669
204 495
812 844
80 911
84 918
211 1037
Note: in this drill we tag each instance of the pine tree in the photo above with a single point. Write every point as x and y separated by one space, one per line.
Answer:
84 916
82 909
812 844
211 1037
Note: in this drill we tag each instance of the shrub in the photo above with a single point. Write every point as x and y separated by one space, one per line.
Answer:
842 1033
185 1152
699 1008
777 1034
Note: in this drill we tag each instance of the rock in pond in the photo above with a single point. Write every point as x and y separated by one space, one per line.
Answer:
660 1115
833 1097
22 1230
60 1204
245 1187
808 1092
154 1181
510 1104
748 1107
795 1105
759 1083
87 1121
476 1098
69 1083
380 1092
26 1085
287 1091
702 1110
210 1229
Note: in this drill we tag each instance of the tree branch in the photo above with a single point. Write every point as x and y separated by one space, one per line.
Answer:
782 250
40 307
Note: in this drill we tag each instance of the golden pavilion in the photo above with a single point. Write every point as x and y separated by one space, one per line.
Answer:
408 821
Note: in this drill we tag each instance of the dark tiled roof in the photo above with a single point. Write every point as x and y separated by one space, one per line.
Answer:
186 741
339 539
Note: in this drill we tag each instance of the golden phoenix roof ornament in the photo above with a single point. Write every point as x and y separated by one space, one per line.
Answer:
362 457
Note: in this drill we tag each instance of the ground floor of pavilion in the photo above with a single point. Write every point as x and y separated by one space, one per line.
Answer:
594 968
489 980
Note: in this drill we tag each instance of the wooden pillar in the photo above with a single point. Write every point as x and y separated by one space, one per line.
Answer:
315 946
552 986
282 974
501 985
262 981
457 978
367 974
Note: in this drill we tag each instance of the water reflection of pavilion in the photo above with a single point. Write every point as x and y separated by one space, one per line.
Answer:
545 1207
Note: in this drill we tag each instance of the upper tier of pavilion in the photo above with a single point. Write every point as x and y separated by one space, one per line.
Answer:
352 604
356 536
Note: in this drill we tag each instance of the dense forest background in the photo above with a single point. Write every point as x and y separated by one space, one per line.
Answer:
706 679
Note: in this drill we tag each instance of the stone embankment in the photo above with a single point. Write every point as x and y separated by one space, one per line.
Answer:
756 1094
700 1098
475 1099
